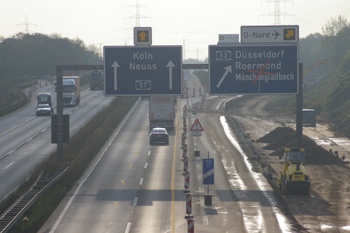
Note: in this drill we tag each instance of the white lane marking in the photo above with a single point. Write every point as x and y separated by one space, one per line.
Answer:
141 181
205 221
92 168
128 227
135 201
149 153
146 165
236 182
9 165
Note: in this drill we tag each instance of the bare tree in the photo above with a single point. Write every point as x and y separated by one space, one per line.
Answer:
336 39
334 26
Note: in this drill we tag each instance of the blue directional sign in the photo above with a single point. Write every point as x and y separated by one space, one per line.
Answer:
208 171
253 69
142 71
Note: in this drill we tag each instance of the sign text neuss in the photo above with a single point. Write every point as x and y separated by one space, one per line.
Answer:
251 67
142 56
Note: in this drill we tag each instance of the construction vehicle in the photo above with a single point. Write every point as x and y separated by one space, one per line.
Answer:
294 177
315 65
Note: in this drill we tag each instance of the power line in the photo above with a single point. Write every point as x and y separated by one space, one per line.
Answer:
26 25
277 12
137 15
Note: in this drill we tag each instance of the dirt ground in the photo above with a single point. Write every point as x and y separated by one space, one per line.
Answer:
327 208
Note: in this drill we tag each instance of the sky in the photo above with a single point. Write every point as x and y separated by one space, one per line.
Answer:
193 24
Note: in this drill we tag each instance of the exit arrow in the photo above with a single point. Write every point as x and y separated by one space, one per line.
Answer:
142 36
228 69
290 33
115 66
170 65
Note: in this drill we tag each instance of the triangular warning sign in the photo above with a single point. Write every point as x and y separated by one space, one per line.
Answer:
196 126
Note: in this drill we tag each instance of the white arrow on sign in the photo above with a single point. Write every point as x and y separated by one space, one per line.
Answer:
228 69
115 66
170 65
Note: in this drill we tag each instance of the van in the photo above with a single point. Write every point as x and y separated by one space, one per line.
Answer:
309 117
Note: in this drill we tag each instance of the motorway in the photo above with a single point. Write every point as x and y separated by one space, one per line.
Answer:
25 139
132 186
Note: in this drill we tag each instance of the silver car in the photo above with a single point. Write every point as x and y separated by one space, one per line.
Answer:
159 135
43 110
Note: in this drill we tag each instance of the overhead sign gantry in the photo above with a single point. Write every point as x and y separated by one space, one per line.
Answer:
287 34
142 71
253 69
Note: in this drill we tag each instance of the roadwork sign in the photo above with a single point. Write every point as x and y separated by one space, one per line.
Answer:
253 69
270 34
196 126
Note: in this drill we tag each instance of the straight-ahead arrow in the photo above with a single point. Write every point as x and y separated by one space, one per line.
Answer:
170 65
228 69
142 36
115 66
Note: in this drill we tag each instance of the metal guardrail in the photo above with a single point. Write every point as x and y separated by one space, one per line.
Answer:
18 208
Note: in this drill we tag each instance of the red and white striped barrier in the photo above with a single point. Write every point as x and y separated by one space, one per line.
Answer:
194 92
184 151
186 164
183 139
185 129
200 90
190 225
184 121
193 108
187 180
188 204
185 110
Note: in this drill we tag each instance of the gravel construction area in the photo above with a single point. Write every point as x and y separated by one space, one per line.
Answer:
263 136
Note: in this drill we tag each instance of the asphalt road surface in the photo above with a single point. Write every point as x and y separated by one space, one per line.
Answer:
133 186
25 139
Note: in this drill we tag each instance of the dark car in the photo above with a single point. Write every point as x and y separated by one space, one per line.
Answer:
159 135
43 110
